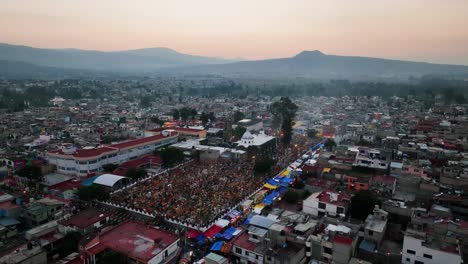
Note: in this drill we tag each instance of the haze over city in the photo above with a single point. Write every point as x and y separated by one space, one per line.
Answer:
419 30
233 132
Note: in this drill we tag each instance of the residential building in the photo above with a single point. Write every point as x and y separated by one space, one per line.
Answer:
139 242
328 203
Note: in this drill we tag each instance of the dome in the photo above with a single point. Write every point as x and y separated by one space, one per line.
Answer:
247 136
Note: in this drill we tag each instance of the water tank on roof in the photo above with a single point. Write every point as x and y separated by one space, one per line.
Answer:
167 132
68 148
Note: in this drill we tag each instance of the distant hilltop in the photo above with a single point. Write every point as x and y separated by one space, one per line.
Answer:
22 61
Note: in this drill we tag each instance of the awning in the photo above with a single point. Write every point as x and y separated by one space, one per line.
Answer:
201 239
271 197
229 233
326 169
192 234
212 231
258 208
222 223
269 186
273 182
217 246
284 173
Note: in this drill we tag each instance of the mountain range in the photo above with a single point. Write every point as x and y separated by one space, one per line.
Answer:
27 62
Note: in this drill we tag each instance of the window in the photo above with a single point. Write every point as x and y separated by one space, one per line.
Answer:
238 250
246 253
409 251
427 256
327 250
339 210
322 205
370 233
418 262
408 260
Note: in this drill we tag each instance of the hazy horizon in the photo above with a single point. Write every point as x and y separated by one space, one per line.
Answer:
420 30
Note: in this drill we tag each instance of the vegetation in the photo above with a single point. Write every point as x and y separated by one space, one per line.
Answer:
291 196
89 193
362 204
239 131
69 244
330 144
176 114
135 173
31 172
205 117
312 133
109 167
284 112
237 116
170 156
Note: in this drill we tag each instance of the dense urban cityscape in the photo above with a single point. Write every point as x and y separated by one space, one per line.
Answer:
233 132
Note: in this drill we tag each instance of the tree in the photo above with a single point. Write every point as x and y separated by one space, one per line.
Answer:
362 204
176 114
135 173
145 102
330 144
88 193
193 113
239 131
312 133
170 156
284 111
184 113
291 196
204 117
31 172
69 244
156 120
109 167
238 115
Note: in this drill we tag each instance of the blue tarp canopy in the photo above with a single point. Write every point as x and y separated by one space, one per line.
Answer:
229 233
367 246
272 196
217 246
272 182
201 239
247 221
278 178
282 189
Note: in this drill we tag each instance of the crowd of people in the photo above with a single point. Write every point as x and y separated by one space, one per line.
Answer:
196 193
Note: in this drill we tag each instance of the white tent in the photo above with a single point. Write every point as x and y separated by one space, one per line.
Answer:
108 179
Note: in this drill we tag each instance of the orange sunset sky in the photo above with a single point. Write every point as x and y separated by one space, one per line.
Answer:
423 30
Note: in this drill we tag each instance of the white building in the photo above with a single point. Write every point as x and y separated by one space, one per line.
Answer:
418 251
326 203
81 162
370 158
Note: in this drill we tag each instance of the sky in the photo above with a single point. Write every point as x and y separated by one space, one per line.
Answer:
422 30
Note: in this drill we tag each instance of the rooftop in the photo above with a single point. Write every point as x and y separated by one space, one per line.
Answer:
85 218
136 240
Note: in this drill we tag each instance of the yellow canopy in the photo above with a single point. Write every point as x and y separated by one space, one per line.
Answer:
284 173
269 186
326 169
